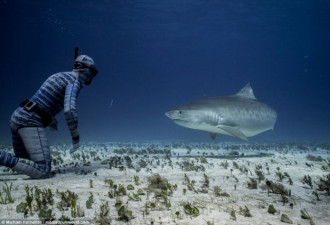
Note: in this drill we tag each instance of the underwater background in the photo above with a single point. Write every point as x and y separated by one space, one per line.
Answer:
155 55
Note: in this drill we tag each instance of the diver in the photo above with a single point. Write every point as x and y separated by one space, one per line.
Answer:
29 120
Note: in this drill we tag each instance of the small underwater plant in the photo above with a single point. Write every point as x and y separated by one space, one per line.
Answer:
326 167
224 164
190 184
136 180
258 167
203 160
307 180
271 209
233 215
29 198
218 192
90 183
90 201
146 209
280 176
47 197
304 215
140 192
103 217
190 209
276 188
130 187
121 191
46 215
187 165
324 183
80 211
285 219
235 178
267 168
134 197
235 165
109 182
157 182
5 195
310 165
67 198
73 207
244 170
124 214
206 181
245 211
314 158
142 163
316 195
22 208
260 175
252 184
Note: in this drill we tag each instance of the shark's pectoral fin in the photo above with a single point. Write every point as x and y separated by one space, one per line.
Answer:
213 135
233 131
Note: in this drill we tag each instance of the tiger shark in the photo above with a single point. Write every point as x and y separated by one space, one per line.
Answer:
239 115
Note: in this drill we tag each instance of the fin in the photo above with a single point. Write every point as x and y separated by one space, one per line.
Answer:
213 135
233 131
246 92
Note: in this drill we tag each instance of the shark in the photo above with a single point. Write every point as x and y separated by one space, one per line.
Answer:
240 115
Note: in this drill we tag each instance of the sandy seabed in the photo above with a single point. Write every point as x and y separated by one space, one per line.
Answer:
175 183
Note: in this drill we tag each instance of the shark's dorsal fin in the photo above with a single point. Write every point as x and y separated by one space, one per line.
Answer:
246 92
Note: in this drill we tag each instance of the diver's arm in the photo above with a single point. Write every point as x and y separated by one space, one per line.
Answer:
70 112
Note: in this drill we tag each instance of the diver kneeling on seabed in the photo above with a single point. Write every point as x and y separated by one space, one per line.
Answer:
29 120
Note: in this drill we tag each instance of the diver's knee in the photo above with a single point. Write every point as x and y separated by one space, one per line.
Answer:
34 170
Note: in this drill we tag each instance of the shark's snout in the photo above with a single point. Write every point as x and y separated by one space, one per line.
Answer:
170 114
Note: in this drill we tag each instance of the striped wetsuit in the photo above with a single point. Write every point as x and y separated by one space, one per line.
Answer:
58 92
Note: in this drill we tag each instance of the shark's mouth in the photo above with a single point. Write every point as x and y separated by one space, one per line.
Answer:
180 121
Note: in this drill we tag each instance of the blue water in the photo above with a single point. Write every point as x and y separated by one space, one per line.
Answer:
154 55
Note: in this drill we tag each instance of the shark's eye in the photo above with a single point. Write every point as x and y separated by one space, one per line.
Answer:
180 112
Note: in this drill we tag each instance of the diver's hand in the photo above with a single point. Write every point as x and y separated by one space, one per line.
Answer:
75 144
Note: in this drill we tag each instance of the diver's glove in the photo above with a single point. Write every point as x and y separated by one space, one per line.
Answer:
75 144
